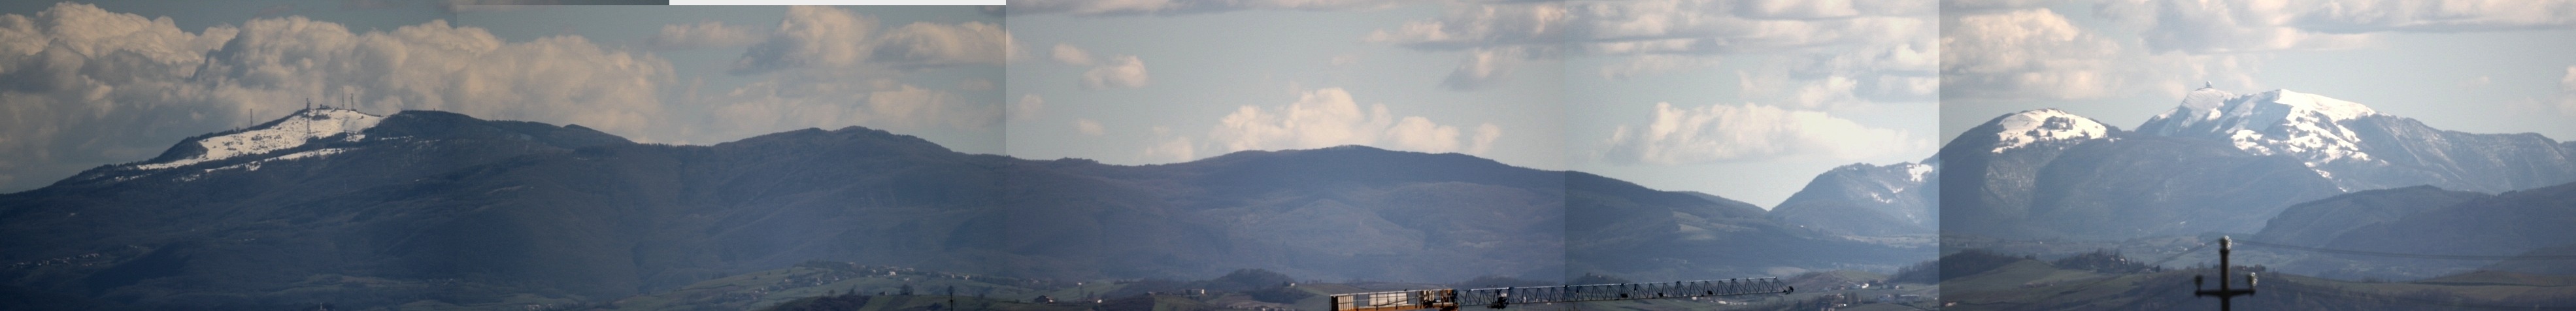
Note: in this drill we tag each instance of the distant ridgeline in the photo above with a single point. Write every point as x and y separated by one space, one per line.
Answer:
356 210
2315 185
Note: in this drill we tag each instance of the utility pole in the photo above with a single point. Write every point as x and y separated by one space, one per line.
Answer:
2226 295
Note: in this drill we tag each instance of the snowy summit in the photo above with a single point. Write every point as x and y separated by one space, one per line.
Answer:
2304 125
2044 125
293 131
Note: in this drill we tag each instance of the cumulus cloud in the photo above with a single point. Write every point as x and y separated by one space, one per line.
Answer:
1480 26
2038 54
829 37
828 101
811 37
1089 127
1168 7
975 85
2010 49
1646 34
1847 77
1124 71
2224 26
1028 107
1965 6
434 66
1329 117
1483 68
78 84
80 80
1070 55
830 67
2566 103
83 86
938 44
2031 52
1177 149
2253 26
2436 15
1718 133
708 34
1654 64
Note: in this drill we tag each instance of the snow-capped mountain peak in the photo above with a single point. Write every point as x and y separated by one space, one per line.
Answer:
293 131
2307 126
2043 125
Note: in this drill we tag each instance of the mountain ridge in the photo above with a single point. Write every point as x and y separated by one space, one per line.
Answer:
443 204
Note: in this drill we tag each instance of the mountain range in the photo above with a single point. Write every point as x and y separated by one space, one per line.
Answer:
2217 162
339 205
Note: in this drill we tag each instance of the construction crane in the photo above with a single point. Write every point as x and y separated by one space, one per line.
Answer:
1448 299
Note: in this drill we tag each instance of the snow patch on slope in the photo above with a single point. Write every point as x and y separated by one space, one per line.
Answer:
253 166
2044 125
1915 171
294 131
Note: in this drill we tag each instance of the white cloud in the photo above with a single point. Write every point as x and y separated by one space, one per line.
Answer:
1070 55
830 67
80 80
1177 149
1483 68
1127 7
829 37
1329 117
1484 139
2223 26
1482 25
2436 15
1991 5
1028 107
2038 54
1124 71
937 44
1089 127
787 103
1643 65
2567 93
974 85
1657 35
2026 53
77 81
706 34
811 37
1718 133
80 86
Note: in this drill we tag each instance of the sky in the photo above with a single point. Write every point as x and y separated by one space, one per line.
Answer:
1746 100
2471 66
91 84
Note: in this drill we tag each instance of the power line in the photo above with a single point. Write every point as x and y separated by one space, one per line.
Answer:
2402 255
